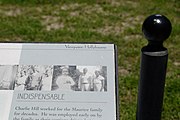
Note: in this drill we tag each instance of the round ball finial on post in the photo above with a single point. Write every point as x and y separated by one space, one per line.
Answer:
156 28
154 57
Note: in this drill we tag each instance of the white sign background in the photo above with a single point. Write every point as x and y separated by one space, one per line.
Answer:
61 54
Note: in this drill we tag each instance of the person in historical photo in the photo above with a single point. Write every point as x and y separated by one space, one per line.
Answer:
84 81
47 79
98 82
20 81
7 76
64 81
34 79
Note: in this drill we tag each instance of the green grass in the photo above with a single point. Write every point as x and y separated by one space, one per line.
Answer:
118 22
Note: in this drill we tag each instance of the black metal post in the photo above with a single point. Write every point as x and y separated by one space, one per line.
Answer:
154 56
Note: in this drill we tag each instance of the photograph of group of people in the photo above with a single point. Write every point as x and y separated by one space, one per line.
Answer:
25 77
53 77
80 78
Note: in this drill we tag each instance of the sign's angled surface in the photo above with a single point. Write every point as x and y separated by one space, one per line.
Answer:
43 81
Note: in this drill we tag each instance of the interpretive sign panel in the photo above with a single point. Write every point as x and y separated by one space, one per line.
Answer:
52 81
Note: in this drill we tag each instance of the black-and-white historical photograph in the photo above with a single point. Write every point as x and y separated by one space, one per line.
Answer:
79 78
7 76
34 77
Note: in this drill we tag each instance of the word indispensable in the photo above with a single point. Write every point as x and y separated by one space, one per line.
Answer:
40 96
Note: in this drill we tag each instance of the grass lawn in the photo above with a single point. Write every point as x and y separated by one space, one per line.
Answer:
116 21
